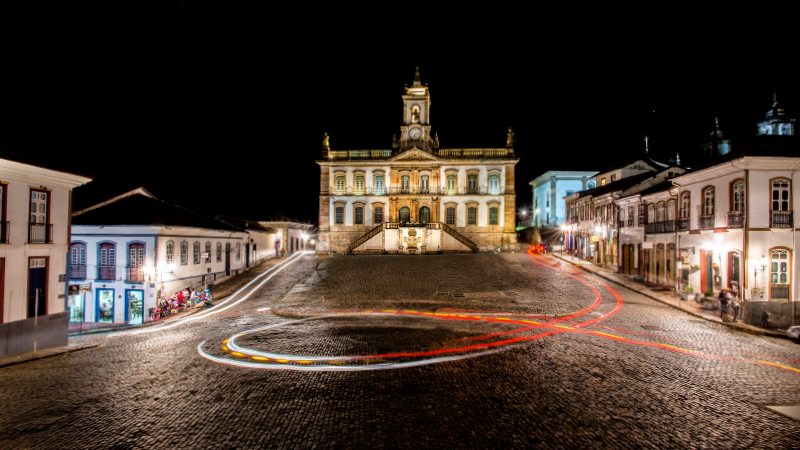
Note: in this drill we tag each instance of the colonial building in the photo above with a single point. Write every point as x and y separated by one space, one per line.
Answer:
550 188
290 236
417 197
129 252
34 238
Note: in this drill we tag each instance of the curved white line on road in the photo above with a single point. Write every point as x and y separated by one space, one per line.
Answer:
334 368
227 303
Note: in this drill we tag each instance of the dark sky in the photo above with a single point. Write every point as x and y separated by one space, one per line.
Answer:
186 97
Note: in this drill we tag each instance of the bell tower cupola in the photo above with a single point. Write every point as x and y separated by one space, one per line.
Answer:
416 128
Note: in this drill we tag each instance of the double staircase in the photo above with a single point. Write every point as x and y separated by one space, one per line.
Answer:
361 240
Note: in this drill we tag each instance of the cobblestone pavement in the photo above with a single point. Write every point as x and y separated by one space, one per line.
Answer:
540 355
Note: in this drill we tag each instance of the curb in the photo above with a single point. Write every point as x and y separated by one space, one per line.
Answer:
46 355
757 331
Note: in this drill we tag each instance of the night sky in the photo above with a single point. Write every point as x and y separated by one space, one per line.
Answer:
186 97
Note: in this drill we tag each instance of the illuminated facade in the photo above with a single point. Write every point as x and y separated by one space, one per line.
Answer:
417 197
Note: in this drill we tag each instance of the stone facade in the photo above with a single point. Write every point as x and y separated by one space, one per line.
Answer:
467 193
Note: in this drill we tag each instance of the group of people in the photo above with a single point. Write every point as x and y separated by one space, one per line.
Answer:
187 298
728 304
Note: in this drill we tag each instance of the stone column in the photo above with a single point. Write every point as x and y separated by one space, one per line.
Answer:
414 209
435 209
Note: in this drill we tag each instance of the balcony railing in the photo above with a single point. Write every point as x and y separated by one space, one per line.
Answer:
106 273
359 154
683 224
779 292
432 190
77 271
40 233
5 229
781 219
135 274
706 222
666 226
735 219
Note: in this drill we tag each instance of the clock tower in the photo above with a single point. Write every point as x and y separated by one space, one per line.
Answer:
416 128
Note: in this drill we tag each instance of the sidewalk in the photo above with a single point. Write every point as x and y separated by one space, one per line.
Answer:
219 292
665 295
12 360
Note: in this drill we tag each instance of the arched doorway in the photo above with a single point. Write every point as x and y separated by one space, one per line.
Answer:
405 215
424 215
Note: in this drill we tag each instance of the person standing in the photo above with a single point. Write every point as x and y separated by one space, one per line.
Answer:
736 305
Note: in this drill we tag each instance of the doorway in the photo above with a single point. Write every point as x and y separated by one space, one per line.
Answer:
37 287
227 259
706 271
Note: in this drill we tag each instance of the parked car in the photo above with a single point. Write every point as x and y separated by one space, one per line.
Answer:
538 248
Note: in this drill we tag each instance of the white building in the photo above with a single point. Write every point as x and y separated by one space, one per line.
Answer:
134 249
737 230
417 197
550 188
34 237
290 236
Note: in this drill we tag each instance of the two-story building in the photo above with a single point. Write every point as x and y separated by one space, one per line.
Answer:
417 197
129 252
34 238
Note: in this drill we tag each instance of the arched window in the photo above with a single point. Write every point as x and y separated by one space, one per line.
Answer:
780 195
423 184
196 252
107 261
219 252
184 253
708 201
494 184
661 212
685 206
451 184
472 184
77 261
424 215
780 274
737 196
405 214
208 252
671 210
415 114
651 213
404 182
170 252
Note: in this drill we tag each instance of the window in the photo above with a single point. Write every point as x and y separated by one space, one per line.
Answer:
196 252
641 215
136 261
472 184
219 252
494 184
708 201
424 215
184 253
377 213
170 252
208 252
423 183
107 261
451 184
671 210
661 212
405 214
651 213
39 207
404 183
450 215
359 184
339 215
603 181
613 178
685 205
631 215
238 251
780 278
472 215
359 215
77 261
493 215
737 196
340 184
379 184
780 195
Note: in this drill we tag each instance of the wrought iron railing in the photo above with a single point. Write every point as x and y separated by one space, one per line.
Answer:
781 219
735 219
106 273
706 222
779 292
684 224
77 271
666 226
40 233
135 274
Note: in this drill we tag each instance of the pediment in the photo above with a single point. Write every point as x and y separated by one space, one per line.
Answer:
415 154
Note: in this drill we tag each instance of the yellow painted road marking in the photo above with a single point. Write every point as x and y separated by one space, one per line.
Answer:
304 362
225 348
259 358
282 361
781 366
239 354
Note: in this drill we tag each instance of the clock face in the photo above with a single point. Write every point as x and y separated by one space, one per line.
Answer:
414 133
